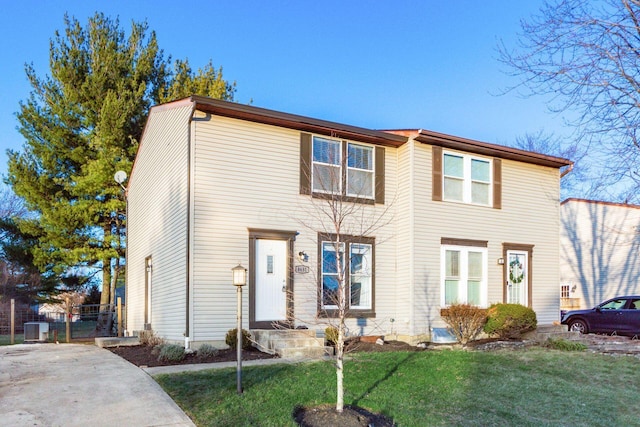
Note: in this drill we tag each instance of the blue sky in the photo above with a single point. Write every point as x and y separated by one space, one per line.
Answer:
382 65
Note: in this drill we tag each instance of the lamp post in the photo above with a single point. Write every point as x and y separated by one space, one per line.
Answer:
239 280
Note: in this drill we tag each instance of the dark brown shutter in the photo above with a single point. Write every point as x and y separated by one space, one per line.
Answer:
379 184
497 184
436 183
305 163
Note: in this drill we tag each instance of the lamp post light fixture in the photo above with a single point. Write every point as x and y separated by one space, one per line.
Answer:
239 280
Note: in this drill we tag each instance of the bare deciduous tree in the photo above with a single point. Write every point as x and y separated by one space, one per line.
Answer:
342 215
585 56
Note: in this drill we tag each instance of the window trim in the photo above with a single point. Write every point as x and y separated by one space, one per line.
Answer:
437 175
347 240
306 171
467 178
449 245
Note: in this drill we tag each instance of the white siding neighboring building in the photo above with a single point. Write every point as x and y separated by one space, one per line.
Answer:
600 246
217 183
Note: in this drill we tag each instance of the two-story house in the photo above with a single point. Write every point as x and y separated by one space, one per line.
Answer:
430 220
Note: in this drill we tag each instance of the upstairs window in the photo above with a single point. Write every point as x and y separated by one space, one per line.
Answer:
330 167
327 166
359 171
467 179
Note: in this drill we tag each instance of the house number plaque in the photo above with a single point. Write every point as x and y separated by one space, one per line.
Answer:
301 269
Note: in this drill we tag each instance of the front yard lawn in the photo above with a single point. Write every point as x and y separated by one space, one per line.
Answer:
533 387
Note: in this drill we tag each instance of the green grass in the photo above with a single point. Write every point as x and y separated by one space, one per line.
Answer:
536 387
6 339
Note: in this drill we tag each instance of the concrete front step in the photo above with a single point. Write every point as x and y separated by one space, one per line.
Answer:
290 343
104 342
544 332
301 352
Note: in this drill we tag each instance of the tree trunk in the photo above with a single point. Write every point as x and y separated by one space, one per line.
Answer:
105 296
340 370
103 325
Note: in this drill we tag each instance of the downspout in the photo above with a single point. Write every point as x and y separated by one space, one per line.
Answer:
187 328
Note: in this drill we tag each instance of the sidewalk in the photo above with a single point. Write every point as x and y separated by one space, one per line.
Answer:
174 369
79 385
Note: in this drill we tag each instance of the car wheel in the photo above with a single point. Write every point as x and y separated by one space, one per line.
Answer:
578 326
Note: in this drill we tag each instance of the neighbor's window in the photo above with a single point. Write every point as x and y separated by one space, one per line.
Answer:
466 179
464 275
330 170
357 273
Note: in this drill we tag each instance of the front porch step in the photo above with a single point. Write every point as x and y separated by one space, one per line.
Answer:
304 352
544 332
290 343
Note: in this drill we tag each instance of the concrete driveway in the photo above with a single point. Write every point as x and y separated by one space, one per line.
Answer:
79 385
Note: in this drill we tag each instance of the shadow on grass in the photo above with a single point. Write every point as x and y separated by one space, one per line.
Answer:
388 374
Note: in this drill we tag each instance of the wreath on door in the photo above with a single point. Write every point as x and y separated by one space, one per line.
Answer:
516 272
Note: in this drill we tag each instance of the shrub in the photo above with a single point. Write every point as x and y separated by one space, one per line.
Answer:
465 321
171 353
510 320
207 350
155 351
232 338
565 345
331 335
149 338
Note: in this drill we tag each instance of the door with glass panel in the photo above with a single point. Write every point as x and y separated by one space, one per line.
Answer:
271 280
517 277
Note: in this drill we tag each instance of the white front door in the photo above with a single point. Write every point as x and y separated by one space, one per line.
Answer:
271 280
517 277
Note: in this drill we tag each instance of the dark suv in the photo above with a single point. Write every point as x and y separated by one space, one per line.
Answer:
620 315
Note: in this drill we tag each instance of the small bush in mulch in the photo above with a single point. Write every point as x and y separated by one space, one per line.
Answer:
465 321
207 350
331 335
509 321
171 353
231 339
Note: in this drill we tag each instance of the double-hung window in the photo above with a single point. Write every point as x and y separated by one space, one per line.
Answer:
464 275
360 171
327 166
466 179
343 168
347 265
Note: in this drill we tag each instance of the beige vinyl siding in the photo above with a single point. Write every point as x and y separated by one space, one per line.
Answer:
599 250
405 258
157 224
529 215
247 176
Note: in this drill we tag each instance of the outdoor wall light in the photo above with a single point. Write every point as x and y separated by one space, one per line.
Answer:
500 261
302 256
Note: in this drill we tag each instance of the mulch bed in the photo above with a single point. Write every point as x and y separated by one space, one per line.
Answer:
351 416
140 355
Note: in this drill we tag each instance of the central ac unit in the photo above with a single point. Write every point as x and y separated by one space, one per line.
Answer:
36 331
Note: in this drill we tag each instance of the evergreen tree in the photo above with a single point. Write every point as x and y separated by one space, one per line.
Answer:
82 123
